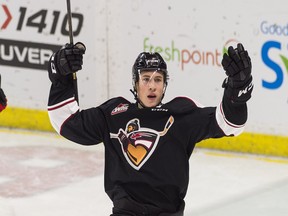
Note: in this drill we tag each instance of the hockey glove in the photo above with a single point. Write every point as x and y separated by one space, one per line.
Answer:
64 62
237 65
3 100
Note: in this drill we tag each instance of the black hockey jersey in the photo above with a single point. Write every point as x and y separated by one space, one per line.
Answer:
146 150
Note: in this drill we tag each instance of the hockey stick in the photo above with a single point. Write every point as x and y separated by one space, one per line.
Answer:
167 126
161 133
69 19
69 16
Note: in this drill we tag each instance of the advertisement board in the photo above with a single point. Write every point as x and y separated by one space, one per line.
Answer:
190 35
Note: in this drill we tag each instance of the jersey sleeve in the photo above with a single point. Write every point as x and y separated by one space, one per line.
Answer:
3 99
84 127
231 118
224 120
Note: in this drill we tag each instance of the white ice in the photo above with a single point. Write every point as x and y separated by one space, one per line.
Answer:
221 183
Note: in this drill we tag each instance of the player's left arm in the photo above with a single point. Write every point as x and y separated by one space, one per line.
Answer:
232 115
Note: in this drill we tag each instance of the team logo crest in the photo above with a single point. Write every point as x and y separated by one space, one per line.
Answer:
120 108
138 143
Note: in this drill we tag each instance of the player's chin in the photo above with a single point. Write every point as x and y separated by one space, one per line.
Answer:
152 101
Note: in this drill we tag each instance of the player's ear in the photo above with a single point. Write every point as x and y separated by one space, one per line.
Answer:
165 86
136 88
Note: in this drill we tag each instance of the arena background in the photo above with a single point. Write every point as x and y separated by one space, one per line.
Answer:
191 36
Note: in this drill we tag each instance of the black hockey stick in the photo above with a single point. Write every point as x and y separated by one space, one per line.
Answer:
69 20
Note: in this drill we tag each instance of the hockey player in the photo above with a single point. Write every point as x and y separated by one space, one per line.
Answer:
3 99
147 143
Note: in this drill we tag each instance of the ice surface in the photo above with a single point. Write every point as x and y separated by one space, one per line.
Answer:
43 174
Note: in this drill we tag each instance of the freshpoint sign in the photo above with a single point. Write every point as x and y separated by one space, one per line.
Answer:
185 56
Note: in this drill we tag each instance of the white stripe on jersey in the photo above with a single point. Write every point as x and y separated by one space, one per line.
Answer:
59 113
227 127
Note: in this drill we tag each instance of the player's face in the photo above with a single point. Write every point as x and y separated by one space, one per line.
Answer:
150 88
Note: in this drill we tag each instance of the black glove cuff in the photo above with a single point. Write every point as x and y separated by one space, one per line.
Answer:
240 93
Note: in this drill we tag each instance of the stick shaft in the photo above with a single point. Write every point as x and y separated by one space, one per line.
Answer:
69 16
69 19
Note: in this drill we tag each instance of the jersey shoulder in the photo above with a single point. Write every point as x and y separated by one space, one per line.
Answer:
183 103
116 104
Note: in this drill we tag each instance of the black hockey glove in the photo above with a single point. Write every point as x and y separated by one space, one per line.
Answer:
238 85
64 62
3 100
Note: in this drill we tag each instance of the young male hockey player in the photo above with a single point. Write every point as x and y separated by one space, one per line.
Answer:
147 144
3 99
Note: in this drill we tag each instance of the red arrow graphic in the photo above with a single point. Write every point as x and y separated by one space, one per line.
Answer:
9 17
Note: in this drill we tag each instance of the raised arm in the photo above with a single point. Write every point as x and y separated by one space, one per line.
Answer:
63 109
238 87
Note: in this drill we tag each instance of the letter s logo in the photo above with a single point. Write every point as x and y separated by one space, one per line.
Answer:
271 64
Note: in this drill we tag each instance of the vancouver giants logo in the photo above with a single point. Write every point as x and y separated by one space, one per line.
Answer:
138 143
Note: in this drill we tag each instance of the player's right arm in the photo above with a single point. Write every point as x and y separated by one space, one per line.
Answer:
83 127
